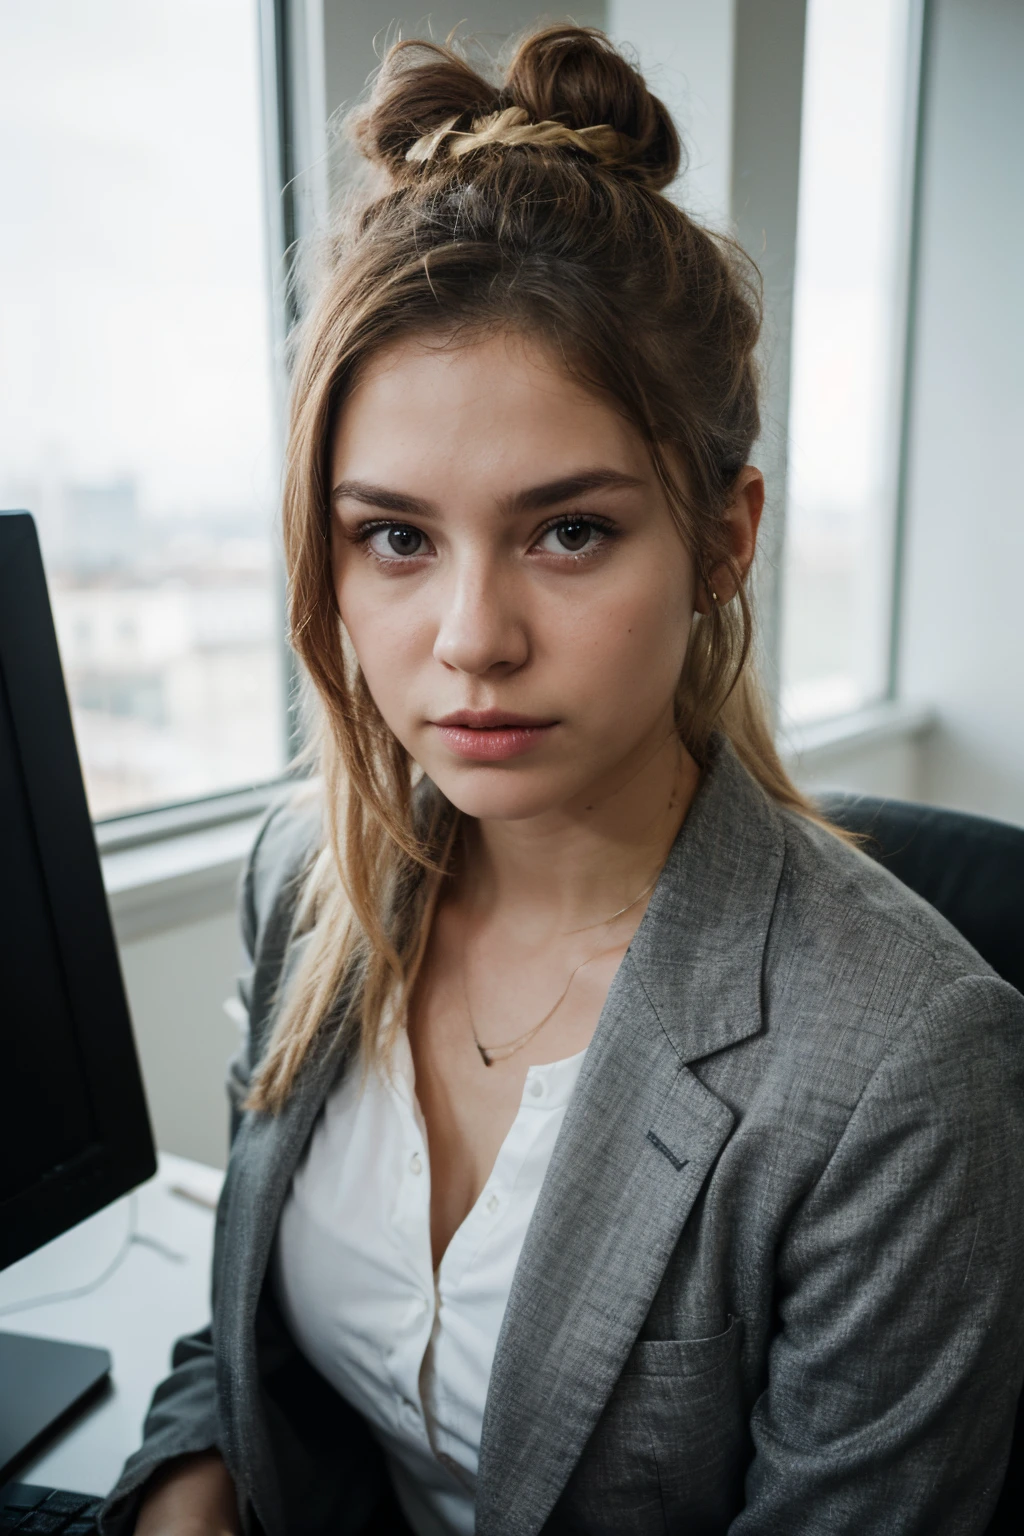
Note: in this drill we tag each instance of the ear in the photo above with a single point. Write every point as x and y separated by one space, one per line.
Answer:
742 519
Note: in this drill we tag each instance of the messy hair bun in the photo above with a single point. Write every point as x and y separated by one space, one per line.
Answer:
534 204
569 76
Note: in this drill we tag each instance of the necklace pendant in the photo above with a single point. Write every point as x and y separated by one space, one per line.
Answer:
485 1055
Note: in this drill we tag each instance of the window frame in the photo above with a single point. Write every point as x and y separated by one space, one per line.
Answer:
919 55
899 378
136 829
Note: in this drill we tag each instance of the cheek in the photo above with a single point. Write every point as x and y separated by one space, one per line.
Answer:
628 651
390 639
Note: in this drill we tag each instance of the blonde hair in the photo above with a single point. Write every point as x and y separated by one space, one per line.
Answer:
563 234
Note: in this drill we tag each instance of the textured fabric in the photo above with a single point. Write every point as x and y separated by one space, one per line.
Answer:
409 1347
773 1279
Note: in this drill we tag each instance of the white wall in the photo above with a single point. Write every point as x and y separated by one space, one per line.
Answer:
685 49
891 769
963 613
878 751
177 981
731 71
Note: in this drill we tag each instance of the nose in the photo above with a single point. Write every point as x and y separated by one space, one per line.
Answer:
481 628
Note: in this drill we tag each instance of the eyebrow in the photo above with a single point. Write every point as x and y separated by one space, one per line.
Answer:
536 498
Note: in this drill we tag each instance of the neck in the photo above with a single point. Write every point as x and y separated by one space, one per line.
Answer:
585 861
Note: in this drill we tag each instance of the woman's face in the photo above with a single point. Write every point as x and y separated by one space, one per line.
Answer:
509 574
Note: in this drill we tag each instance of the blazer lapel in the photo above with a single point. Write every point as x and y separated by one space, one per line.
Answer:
639 1139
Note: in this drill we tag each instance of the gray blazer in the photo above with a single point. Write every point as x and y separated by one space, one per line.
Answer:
774 1279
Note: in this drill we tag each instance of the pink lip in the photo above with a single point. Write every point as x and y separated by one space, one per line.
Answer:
491 735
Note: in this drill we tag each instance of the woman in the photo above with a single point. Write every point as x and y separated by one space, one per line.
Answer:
620 1150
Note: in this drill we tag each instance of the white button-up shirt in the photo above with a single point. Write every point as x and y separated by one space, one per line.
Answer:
409 1347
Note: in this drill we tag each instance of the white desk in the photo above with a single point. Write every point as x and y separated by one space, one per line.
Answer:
150 1300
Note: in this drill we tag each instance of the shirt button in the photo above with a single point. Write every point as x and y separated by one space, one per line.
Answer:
493 1203
537 1088
415 1163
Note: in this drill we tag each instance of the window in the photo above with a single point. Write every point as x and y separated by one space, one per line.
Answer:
137 388
849 332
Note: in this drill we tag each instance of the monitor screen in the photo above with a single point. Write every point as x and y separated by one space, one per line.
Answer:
74 1130
48 1118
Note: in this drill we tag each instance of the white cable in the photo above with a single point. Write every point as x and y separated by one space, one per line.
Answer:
92 1285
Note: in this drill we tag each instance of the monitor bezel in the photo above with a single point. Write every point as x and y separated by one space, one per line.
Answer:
123 1153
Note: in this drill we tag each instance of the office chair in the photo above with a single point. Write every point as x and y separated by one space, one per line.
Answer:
972 870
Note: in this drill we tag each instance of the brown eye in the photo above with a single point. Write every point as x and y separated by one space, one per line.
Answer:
574 536
388 540
404 541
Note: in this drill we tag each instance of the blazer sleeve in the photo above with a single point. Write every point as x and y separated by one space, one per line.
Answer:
182 1418
894 1376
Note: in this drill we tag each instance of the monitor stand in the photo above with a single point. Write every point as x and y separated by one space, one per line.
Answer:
43 1385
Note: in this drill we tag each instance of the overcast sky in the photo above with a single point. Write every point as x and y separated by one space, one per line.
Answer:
848 316
134 334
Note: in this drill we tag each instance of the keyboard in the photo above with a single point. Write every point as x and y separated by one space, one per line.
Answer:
34 1511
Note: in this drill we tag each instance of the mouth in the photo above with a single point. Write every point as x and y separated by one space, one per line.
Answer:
491 735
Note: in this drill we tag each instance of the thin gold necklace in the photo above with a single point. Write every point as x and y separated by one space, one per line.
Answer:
502 1050
489 1054
604 921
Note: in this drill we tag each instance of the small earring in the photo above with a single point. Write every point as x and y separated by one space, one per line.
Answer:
714 596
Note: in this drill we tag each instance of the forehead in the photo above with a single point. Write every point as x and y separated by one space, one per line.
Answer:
493 409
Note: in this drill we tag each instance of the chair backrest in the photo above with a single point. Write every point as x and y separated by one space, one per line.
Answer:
972 870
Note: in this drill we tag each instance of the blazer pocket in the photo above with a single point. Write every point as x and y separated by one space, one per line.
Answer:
667 1453
685 1357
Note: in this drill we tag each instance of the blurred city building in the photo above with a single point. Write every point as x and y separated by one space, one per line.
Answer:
168 635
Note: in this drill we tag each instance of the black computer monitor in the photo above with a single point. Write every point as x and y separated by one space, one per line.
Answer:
74 1129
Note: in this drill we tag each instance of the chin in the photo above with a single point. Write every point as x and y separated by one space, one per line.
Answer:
493 794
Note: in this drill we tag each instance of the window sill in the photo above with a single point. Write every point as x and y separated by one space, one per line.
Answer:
176 880
822 746
143 828
175 877
179 864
